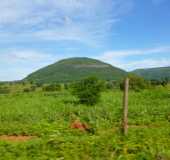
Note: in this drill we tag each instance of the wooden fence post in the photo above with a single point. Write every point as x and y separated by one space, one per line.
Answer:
125 107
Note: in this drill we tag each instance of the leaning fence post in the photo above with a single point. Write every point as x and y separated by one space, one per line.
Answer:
125 106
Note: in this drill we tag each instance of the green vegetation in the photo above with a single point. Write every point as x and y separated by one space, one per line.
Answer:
31 88
88 90
4 90
74 69
48 116
136 83
51 87
159 74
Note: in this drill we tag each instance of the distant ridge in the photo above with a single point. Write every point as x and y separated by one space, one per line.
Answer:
73 69
159 73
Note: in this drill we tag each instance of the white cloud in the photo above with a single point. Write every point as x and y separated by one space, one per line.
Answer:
25 55
146 63
121 59
124 53
150 63
80 20
28 56
17 64
14 73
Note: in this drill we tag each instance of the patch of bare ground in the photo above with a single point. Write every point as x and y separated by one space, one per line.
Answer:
16 138
79 125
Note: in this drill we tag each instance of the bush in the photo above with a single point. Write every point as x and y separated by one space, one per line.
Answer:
88 90
66 86
30 89
164 82
52 88
155 83
4 90
26 90
111 85
39 85
136 83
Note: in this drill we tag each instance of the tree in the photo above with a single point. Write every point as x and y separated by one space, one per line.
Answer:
52 87
136 83
165 81
88 90
32 88
111 85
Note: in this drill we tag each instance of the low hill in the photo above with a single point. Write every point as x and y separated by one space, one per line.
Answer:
73 69
159 74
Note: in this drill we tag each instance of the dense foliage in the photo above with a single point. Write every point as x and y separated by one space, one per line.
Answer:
48 117
136 83
4 90
111 85
159 74
88 90
74 69
51 87
31 88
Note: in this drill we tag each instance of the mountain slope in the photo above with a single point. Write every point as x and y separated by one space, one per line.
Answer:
72 69
160 73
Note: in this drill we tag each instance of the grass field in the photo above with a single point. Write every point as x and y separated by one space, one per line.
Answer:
48 116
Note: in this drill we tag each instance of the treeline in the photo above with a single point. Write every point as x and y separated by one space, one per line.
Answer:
136 83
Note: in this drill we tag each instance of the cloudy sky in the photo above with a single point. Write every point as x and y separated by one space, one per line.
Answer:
128 34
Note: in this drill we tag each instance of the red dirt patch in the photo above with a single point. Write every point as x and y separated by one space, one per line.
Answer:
16 138
79 125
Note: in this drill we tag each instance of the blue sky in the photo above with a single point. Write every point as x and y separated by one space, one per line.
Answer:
128 34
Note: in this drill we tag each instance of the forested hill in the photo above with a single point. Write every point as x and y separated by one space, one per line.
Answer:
72 69
159 74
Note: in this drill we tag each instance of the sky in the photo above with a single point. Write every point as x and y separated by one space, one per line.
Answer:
129 34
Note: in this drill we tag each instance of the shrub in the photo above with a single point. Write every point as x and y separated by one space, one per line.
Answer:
88 90
4 90
66 86
33 88
38 84
23 83
26 90
111 85
52 88
155 83
136 83
165 82
30 89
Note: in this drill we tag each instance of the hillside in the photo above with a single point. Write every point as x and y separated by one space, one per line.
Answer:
72 69
160 73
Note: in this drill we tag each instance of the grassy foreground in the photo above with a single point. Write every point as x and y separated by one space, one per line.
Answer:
48 117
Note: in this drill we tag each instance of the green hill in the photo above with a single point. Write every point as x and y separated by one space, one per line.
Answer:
72 69
160 73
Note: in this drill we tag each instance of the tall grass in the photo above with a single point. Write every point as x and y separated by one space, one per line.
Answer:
49 115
